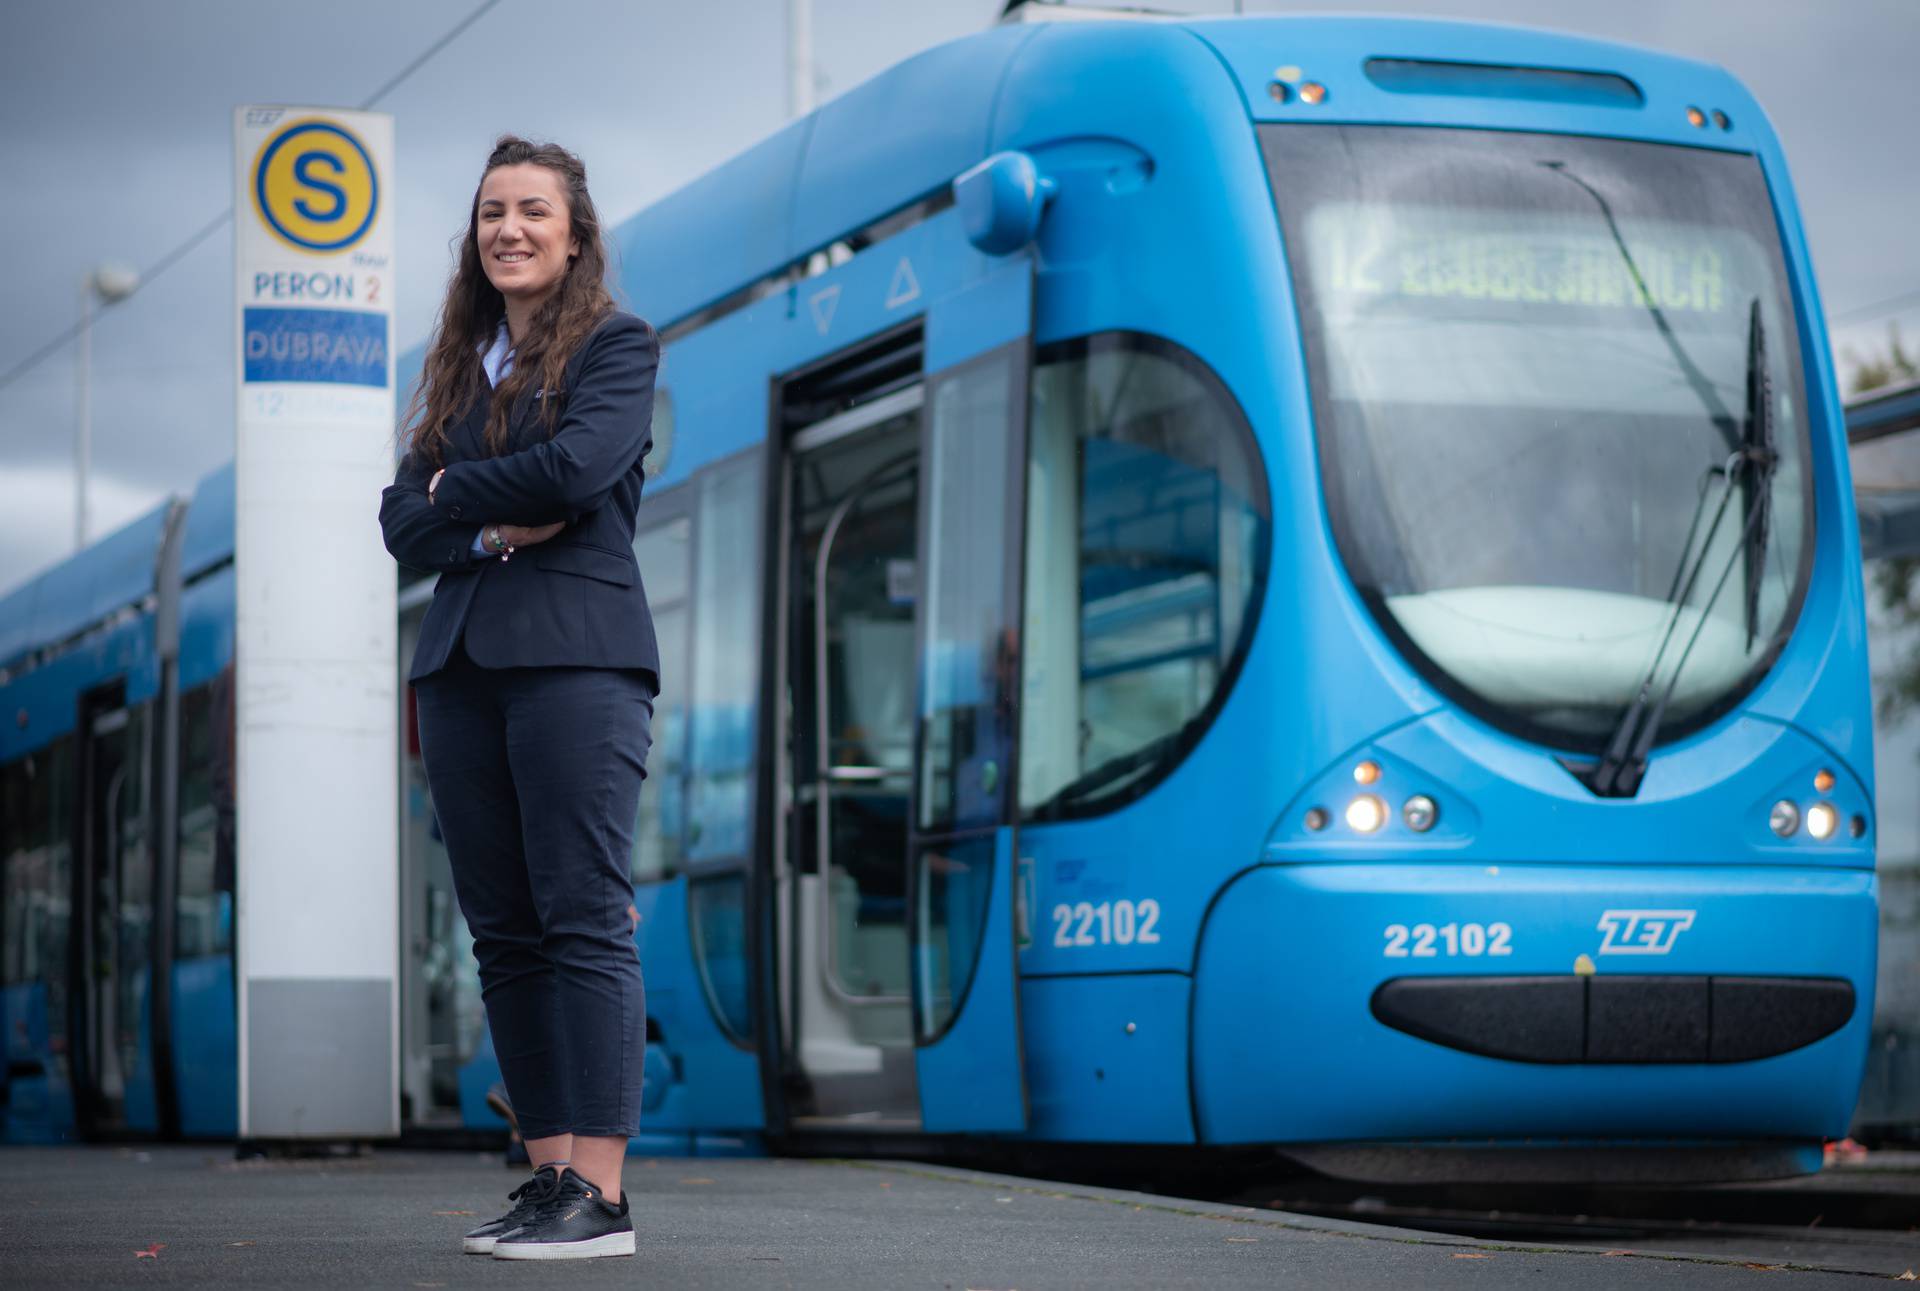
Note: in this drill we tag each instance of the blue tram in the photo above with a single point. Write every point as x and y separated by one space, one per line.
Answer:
1247 582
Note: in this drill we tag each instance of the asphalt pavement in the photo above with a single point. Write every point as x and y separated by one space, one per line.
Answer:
187 1216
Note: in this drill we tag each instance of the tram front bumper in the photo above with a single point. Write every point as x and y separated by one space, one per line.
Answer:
1630 1018
1369 1002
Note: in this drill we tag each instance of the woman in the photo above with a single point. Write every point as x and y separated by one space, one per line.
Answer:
536 671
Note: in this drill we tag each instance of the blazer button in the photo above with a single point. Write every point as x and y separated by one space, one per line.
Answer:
454 511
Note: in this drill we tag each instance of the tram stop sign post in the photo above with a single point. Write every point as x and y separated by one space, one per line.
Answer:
317 883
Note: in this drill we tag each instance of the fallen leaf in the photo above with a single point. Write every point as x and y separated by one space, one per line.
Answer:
1619 1252
453 1212
696 1181
239 1243
886 1185
1762 1268
151 1253
1466 1255
1908 1276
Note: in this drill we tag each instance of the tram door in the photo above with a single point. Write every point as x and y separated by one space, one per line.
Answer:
851 599
902 611
114 1090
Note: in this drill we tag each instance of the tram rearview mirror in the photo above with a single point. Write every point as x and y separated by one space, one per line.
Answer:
1001 202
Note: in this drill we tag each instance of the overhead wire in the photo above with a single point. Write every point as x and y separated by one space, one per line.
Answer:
1879 308
66 335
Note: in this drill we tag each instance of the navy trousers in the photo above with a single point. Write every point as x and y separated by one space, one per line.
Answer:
535 775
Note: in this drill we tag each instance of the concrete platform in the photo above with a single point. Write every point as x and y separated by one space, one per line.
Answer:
182 1216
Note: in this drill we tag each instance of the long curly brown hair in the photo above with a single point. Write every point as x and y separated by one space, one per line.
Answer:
470 316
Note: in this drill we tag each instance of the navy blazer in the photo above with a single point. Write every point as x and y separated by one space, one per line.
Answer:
575 600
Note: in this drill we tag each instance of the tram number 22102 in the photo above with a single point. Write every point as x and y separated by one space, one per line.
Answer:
1110 923
1419 941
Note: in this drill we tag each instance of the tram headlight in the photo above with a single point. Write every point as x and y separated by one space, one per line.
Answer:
1822 820
1366 813
1420 812
1784 818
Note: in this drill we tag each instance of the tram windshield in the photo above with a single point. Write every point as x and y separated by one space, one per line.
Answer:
1560 411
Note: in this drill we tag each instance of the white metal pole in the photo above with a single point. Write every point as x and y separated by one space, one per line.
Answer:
799 57
83 415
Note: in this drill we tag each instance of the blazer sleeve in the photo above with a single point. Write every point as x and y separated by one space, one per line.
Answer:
417 532
606 428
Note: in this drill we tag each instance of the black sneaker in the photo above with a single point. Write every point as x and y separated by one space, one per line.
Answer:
573 1224
526 1201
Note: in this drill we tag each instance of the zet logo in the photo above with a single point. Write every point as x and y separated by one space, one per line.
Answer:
1642 932
314 185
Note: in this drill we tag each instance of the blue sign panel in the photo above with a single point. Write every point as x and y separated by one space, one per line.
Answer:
337 346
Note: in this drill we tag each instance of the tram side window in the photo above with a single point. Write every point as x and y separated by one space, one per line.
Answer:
1147 514
665 553
36 804
203 918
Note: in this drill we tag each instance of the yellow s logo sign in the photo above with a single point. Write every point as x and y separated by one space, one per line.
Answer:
315 186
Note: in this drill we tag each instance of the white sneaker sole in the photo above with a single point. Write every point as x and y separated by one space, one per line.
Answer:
592 1247
478 1245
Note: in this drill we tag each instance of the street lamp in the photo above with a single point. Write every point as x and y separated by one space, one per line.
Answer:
111 283
799 57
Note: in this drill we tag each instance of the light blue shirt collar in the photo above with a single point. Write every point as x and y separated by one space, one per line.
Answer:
497 358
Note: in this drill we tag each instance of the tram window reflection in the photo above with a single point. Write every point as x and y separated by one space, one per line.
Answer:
665 554
36 805
203 911
1146 510
726 664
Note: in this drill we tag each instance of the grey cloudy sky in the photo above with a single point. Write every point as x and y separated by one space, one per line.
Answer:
117 146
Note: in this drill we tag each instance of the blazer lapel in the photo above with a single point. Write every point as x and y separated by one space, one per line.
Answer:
470 436
527 424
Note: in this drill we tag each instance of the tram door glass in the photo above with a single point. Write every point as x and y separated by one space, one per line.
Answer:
117 901
969 1062
712 770
36 869
852 599
203 910
969 671
205 1052
444 1020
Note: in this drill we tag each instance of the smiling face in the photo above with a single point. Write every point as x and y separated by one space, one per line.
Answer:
524 231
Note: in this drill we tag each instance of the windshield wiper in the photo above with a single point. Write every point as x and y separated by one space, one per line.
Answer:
1697 381
1750 469
1759 442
